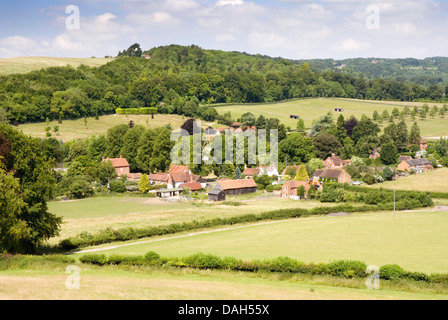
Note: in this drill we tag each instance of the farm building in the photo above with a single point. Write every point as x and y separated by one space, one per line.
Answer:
336 175
417 165
235 187
121 165
168 193
216 195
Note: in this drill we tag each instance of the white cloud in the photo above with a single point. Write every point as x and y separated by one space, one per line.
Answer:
221 3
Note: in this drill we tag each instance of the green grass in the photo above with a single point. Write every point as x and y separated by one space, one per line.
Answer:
98 213
313 109
28 64
153 283
416 241
76 129
433 181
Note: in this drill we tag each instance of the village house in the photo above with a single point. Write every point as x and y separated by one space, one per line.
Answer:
176 176
121 165
192 186
404 158
289 189
233 188
335 162
417 165
270 171
423 144
336 175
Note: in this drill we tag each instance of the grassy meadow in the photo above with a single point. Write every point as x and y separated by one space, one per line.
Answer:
76 129
414 240
28 64
313 109
98 213
433 181
46 281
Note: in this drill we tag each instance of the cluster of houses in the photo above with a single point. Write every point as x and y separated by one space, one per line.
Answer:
180 177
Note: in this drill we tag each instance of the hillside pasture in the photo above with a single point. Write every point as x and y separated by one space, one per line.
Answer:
28 64
77 129
312 109
433 181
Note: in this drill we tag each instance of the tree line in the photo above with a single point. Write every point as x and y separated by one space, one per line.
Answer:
184 80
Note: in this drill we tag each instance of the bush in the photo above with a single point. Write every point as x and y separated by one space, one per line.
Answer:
95 259
285 264
152 257
204 261
391 272
117 186
347 268
270 188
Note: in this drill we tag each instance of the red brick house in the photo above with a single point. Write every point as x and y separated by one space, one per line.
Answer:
121 165
335 162
336 175
423 144
417 165
290 188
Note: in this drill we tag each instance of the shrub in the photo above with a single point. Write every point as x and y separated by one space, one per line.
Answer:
117 186
270 188
347 268
278 187
391 272
95 259
152 257
204 261
285 264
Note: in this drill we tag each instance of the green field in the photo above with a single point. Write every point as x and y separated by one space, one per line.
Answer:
28 64
46 281
95 214
416 241
76 129
313 109
433 181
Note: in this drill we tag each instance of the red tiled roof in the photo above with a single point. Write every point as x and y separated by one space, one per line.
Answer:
193 186
178 169
118 162
237 184
251 172
337 161
296 184
158 177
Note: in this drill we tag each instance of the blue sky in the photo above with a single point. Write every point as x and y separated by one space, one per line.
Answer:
294 29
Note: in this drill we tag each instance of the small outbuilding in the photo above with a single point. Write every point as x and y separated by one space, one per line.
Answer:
216 195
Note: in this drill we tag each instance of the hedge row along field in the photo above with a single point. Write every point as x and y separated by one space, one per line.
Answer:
341 268
374 201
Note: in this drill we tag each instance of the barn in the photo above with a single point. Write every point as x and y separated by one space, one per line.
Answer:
216 195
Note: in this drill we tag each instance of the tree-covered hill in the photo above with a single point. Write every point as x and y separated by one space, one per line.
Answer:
182 80
428 71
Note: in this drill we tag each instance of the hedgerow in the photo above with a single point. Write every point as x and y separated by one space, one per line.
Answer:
340 268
